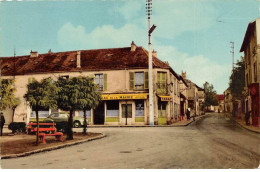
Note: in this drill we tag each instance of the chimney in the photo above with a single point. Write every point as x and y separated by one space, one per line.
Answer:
33 54
133 46
78 60
49 51
183 74
154 53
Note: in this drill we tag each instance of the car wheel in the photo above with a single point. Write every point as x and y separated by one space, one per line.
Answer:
76 124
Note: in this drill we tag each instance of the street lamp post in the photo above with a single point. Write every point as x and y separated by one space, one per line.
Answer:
150 64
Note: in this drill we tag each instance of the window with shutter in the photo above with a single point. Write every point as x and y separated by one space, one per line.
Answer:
131 80
105 82
146 80
161 82
99 81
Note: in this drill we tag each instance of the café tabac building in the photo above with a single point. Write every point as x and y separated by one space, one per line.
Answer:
122 78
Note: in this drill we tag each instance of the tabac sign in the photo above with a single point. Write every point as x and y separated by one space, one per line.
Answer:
166 98
123 96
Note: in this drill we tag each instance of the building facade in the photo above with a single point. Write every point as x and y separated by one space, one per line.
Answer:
120 73
251 49
228 105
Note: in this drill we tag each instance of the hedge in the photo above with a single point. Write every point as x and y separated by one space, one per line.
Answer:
17 127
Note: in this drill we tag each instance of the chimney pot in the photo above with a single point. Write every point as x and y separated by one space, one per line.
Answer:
78 59
133 46
183 74
33 54
154 53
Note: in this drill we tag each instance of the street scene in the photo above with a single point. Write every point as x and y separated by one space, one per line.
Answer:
214 141
130 84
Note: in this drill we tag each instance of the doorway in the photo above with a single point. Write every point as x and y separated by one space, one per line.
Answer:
99 114
127 113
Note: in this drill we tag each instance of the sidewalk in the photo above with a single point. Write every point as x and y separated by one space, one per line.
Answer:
182 123
242 123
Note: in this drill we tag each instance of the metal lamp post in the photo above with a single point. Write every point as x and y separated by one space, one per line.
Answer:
150 64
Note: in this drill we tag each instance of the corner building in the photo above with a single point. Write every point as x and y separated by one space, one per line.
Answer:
122 78
251 49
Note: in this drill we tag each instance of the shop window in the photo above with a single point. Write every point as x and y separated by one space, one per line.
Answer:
161 108
139 108
42 114
112 108
129 110
88 113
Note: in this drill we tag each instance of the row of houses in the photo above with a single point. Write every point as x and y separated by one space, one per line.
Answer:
251 93
122 78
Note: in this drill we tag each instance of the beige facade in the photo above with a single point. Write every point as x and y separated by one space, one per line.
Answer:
228 105
122 90
251 49
195 96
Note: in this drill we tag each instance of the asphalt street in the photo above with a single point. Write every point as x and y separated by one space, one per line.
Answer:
214 141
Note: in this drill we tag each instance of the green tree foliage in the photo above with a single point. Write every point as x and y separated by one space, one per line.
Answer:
77 93
237 79
8 99
89 97
210 95
41 95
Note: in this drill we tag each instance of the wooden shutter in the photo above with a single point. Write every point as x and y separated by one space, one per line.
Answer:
131 80
146 80
123 110
163 77
105 82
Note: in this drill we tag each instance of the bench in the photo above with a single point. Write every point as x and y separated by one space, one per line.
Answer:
43 127
58 136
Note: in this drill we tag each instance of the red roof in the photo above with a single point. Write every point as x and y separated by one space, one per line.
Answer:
91 60
220 97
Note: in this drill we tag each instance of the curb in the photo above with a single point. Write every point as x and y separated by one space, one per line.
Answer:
258 132
133 126
196 119
50 148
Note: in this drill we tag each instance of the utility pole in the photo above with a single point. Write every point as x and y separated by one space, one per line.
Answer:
232 52
150 64
14 72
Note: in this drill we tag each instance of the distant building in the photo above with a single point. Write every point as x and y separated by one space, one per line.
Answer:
195 96
122 77
228 105
220 107
251 49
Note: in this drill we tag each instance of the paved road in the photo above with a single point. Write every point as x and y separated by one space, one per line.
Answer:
211 142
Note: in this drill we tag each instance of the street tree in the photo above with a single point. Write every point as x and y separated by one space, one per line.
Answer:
73 96
7 96
237 79
89 97
41 95
210 95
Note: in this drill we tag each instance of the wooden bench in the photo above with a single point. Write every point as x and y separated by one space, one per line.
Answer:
48 130
43 127
58 136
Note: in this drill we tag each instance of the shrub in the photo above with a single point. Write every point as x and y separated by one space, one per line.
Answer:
62 126
17 127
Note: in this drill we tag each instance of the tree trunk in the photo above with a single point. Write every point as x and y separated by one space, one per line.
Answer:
70 125
85 123
13 114
37 133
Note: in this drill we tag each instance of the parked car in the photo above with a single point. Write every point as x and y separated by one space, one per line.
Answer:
59 117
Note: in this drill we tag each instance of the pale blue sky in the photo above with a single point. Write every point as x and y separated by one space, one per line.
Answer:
192 35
